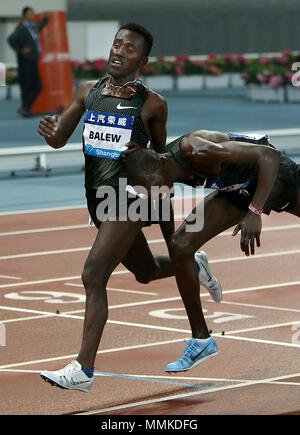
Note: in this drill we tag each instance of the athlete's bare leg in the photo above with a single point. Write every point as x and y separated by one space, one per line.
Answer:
105 255
144 265
219 215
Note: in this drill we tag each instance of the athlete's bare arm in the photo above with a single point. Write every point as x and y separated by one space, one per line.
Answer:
207 156
56 135
154 115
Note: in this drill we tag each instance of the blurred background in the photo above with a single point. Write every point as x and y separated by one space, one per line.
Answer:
190 27
228 65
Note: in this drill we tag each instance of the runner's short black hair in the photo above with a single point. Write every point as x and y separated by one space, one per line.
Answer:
148 37
25 10
140 161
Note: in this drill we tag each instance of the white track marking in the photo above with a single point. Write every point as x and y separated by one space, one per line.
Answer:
181 378
41 253
42 210
187 332
9 277
115 289
141 346
262 287
71 314
267 307
87 248
85 225
257 340
40 281
22 319
43 281
120 349
190 394
271 326
285 383
44 230
255 257
43 313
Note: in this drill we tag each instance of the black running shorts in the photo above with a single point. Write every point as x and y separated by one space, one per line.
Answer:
284 194
101 209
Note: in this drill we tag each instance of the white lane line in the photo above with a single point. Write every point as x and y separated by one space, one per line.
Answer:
9 277
256 256
180 330
44 281
80 311
189 394
41 253
22 319
69 284
44 230
114 322
85 225
262 287
41 281
118 272
87 248
266 307
43 313
183 378
115 289
257 340
132 291
142 346
271 326
120 349
42 210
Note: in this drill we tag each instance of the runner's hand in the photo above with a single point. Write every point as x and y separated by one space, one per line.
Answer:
48 126
250 228
131 146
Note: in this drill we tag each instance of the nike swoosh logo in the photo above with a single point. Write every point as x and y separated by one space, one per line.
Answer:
78 383
125 107
209 277
282 208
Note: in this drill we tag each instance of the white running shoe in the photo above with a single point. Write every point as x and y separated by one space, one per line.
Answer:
207 278
70 377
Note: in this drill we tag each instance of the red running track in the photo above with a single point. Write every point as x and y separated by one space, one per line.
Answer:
257 370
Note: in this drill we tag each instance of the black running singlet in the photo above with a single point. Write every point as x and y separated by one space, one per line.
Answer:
109 123
232 177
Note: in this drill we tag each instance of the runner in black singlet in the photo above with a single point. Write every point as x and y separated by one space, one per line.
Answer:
249 176
109 123
116 109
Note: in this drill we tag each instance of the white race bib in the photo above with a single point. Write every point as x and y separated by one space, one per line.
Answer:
105 134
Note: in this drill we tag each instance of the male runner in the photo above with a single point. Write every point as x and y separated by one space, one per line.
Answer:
117 108
249 179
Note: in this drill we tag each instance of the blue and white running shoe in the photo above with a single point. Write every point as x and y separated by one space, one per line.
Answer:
195 353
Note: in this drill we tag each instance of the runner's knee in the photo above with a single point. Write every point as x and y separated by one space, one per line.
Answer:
179 247
145 276
94 276
142 278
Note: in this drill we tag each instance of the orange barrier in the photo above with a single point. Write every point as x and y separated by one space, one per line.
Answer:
54 66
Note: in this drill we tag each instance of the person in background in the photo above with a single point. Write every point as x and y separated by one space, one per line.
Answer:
25 42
